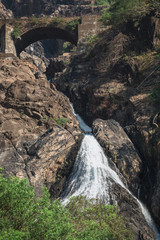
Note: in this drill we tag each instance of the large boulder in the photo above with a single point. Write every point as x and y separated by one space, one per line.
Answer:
128 165
39 135
120 149
131 209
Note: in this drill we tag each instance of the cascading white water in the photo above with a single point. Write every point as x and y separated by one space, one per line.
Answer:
92 177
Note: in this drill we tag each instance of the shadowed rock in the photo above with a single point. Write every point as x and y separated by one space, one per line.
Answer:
39 135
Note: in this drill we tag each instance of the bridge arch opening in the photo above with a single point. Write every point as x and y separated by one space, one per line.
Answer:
43 33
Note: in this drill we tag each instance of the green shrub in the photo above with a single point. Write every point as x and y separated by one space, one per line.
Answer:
62 121
16 33
23 217
93 220
102 2
92 39
73 24
123 10
67 46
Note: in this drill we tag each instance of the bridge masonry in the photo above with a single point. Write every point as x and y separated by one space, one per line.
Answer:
89 26
7 45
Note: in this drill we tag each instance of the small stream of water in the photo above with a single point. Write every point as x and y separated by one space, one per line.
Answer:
92 177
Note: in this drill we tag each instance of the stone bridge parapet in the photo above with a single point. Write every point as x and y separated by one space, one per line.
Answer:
17 34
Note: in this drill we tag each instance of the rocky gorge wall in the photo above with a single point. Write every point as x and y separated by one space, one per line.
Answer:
105 82
49 7
39 135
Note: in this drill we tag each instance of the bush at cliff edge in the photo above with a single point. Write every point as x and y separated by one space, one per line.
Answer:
24 217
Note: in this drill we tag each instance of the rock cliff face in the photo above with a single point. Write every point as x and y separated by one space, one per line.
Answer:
121 150
4 12
107 81
124 159
49 7
39 135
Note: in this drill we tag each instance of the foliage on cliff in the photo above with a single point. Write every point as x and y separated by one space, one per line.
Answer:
102 2
97 221
25 217
123 10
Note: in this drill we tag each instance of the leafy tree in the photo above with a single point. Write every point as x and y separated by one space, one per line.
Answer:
123 10
93 220
16 33
23 217
102 2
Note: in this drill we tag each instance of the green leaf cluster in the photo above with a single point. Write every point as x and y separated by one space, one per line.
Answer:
94 220
92 39
67 46
73 24
62 121
102 2
24 217
16 33
124 10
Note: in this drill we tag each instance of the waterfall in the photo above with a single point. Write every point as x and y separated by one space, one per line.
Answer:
92 177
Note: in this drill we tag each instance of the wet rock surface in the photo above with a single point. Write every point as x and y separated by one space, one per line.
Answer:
131 210
128 165
39 135
120 149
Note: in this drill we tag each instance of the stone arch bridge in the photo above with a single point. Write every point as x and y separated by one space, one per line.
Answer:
17 34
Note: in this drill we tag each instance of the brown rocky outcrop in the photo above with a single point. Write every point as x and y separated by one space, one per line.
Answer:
120 149
54 8
128 165
40 63
131 210
4 12
39 135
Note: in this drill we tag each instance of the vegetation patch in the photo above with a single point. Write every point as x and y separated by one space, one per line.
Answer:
121 11
102 2
72 25
67 46
57 21
16 33
24 217
92 39
62 121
